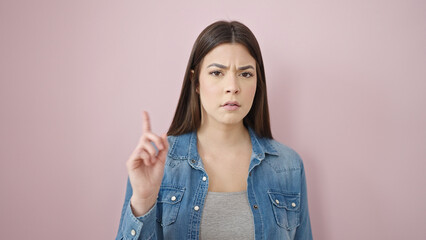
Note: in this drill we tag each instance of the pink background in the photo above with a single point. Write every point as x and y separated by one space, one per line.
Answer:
346 84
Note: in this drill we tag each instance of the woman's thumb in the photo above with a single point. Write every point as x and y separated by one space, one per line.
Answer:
163 154
165 141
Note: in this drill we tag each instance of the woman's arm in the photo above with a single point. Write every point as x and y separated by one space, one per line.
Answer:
145 167
304 231
133 227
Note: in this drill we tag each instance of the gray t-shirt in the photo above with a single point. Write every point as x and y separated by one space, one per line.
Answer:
227 215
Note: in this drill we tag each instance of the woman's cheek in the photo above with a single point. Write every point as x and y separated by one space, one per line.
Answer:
211 90
208 94
252 90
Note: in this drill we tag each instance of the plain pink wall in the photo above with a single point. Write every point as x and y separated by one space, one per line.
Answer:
346 84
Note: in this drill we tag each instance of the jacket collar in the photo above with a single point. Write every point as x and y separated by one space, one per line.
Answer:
185 147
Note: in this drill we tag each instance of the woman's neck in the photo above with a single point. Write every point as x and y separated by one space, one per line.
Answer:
224 136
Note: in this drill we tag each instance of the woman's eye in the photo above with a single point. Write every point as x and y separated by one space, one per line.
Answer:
247 74
215 73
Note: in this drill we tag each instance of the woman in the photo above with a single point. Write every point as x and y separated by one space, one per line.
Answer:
217 174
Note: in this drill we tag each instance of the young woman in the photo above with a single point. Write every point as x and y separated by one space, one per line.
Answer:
217 173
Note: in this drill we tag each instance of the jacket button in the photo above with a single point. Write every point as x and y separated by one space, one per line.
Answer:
174 198
133 232
204 178
278 202
196 208
293 204
255 206
193 160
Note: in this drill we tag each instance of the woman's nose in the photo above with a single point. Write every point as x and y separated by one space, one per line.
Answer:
232 85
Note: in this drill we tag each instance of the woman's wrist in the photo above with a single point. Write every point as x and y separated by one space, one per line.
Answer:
141 206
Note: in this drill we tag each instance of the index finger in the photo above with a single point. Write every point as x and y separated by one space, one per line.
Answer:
146 124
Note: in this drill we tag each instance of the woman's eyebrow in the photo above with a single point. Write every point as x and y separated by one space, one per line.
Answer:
217 65
225 67
246 67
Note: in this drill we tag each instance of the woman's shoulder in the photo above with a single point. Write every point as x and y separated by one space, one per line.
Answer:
285 156
185 136
179 145
282 148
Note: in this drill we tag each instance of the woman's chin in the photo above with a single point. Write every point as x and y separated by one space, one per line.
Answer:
232 121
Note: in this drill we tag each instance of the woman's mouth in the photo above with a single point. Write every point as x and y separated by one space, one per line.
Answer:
231 106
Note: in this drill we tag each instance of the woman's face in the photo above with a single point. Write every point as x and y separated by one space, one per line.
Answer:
227 84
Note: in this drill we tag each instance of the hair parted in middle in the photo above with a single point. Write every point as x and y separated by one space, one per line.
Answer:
187 116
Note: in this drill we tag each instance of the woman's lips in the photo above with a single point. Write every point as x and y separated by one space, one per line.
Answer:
230 107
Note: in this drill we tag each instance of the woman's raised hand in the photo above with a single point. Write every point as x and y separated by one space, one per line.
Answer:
146 168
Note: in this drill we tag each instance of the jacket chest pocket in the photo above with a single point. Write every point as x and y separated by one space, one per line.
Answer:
168 204
286 208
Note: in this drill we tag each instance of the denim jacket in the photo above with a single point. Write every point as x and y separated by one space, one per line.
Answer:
276 189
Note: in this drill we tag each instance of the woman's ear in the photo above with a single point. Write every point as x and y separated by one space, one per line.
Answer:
197 90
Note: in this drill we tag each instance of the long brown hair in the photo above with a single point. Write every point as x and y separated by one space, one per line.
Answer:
188 112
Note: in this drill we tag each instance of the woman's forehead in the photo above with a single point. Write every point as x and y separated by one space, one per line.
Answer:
227 54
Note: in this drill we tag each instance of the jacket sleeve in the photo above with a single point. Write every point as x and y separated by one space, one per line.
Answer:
304 231
136 228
